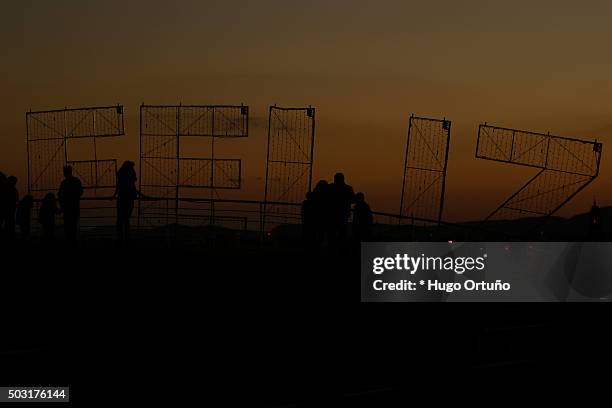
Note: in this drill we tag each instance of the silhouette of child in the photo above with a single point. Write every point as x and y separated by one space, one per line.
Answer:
24 214
46 215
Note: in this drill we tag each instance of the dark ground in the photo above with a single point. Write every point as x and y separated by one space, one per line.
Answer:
259 327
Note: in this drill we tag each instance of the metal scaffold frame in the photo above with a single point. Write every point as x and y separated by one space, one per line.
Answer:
566 166
166 173
48 134
291 138
425 168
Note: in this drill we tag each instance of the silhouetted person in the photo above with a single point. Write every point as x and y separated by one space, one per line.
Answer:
11 197
46 216
309 220
342 197
69 196
362 219
126 193
24 215
321 212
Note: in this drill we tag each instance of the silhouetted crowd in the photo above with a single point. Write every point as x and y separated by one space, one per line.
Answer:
15 211
326 212
18 212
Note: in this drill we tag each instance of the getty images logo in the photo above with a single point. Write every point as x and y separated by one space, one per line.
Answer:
413 264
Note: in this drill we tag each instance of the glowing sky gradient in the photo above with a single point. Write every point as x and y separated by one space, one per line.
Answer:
542 66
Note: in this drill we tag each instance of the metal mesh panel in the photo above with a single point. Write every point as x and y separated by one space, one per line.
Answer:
289 162
47 136
567 166
197 173
73 123
425 169
165 173
158 121
574 156
94 122
214 121
538 150
546 192
95 173
45 161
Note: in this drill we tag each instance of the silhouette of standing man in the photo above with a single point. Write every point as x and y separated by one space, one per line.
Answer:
69 196
342 196
126 193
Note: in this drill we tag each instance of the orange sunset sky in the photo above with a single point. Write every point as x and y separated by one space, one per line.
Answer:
365 65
